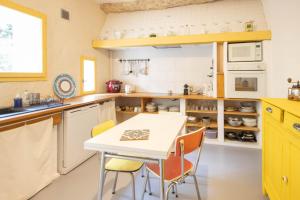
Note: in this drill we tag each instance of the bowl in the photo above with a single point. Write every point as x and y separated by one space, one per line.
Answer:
234 121
250 122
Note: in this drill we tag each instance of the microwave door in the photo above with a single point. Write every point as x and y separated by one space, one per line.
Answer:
245 85
241 52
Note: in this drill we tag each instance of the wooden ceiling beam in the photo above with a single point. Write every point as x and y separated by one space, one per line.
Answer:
142 5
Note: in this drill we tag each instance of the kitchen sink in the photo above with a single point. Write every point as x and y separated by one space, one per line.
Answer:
8 112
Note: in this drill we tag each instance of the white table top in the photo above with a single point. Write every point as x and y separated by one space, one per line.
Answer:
163 130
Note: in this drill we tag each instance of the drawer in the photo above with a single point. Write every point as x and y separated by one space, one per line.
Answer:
292 123
273 111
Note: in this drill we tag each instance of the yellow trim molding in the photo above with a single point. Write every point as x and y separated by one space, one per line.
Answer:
184 39
6 77
82 59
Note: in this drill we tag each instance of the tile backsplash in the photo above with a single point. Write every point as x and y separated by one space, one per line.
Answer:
169 69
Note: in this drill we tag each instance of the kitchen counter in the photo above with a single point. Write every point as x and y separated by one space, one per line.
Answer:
96 98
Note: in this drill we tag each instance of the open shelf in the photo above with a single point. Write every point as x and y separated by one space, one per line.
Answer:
127 112
150 112
240 128
233 143
200 124
240 113
184 39
202 111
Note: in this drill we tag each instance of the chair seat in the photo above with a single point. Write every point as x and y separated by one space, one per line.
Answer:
122 165
172 168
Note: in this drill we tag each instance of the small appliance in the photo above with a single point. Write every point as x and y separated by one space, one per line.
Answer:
113 86
129 89
245 52
245 80
294 91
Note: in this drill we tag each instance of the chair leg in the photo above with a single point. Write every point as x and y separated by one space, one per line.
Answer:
115 183
143 171
149 184
144 189
197 188
171 186
176 191
133 186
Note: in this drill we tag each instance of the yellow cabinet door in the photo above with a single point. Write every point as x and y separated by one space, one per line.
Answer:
292 183
273 158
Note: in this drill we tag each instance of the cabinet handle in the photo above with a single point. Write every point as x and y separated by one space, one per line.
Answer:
285 179
297 126
268 109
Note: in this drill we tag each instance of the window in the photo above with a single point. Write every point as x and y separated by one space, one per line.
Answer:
22 43
88 75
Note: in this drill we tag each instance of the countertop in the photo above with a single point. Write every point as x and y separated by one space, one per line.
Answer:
96 98
292 107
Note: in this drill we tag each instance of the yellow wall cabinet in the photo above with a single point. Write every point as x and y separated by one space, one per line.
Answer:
281 149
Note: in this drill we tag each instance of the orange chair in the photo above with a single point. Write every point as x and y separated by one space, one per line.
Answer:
177 168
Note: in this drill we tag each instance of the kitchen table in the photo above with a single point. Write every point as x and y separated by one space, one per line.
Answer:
163 131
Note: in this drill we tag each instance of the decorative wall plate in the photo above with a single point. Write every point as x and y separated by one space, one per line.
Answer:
64 86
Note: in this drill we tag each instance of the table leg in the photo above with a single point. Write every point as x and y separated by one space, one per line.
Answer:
162 183
101 176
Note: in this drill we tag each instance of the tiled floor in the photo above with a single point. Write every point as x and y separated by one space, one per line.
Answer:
225 173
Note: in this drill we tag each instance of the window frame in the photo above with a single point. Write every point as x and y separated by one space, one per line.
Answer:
23 76
82 59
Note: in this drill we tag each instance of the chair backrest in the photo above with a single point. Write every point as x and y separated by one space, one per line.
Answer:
192 141
97 130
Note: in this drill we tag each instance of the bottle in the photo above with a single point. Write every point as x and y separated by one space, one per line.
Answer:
18 102
25 98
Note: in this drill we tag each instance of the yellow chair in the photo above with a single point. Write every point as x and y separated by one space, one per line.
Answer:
117 165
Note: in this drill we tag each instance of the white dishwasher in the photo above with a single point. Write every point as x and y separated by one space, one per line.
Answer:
77 127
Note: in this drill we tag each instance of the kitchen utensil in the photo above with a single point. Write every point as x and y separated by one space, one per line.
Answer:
162 108
294 91
211 134
206 121
174 109
192 119
231 109
246 136
113 86
247 109
231 135
186 89
129 89
250 122
234 121
64 86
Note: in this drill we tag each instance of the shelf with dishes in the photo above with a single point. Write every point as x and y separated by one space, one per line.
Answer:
240 128
150 105
212 124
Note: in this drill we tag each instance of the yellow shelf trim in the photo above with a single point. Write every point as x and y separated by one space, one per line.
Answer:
184 40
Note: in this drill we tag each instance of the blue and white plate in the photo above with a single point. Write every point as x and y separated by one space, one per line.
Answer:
64 86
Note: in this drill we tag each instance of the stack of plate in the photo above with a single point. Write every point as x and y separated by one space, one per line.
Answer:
250 122
174 109
163 108
247 109
151 107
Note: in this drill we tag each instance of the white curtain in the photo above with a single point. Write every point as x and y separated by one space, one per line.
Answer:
107 111
28 160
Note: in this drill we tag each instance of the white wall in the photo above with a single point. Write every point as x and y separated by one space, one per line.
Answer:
283 18
227 15
67 41
169 69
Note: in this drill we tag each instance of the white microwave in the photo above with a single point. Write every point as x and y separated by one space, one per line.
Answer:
245 52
